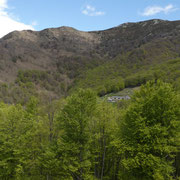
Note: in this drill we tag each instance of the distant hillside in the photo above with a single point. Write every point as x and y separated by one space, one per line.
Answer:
57 59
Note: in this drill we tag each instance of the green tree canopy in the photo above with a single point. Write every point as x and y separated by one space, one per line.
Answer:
73 145
150 132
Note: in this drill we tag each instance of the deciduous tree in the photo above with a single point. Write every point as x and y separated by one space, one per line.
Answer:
150 132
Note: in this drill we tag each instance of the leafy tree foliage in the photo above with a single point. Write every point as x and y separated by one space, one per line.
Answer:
150 132
83 137
74 145
103 128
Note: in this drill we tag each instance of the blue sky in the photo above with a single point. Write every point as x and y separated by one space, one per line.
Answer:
84 15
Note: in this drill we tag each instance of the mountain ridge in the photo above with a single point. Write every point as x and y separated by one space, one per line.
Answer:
66 53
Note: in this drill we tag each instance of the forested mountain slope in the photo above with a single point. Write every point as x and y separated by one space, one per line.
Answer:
53 58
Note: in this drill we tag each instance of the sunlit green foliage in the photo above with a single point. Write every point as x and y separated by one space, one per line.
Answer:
74 145
131 75
150 132
83 137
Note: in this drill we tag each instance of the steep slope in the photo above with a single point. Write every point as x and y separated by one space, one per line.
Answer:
43 50
54 58
47 48
133 35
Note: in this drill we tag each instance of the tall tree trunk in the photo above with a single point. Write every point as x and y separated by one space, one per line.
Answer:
81 160
51 119
104 154
177 164
117 169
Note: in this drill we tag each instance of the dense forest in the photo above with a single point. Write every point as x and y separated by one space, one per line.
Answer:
84 137
55 118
